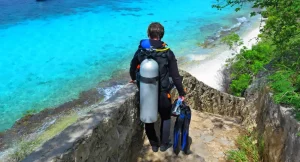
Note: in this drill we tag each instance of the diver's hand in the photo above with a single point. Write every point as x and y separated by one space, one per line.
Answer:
181 98
132 81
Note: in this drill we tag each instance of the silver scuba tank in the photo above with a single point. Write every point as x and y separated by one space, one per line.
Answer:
149 75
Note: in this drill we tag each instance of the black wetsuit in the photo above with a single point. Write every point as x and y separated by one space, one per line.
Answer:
164 107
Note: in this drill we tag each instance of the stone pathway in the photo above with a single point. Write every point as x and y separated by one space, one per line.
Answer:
212 135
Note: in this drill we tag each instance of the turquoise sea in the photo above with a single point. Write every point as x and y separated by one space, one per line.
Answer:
52 50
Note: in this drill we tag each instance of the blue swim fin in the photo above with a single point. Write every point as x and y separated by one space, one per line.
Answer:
181 130
185 130
177 133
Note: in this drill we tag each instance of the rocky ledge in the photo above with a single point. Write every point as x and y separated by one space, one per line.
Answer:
112 131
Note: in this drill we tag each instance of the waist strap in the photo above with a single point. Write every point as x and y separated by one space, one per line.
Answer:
148 80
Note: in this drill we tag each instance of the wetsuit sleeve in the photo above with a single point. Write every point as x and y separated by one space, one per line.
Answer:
133 65
174 73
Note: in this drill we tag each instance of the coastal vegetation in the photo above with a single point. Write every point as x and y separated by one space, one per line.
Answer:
276 57
248 148
277 54
245 66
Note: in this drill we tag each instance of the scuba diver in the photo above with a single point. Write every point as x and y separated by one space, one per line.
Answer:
154 68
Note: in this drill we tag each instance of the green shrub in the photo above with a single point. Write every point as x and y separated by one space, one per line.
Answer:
285 85
248 149
232 40
246 65
237 155
240 84
282 28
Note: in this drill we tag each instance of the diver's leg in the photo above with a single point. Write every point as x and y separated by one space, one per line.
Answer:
165 114
165 131
151 134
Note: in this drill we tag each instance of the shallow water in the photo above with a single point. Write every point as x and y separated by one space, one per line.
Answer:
51 51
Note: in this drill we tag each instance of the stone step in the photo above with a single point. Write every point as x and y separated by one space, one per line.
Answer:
211 135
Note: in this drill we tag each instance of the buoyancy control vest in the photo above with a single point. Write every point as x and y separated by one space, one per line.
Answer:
161 56
152 77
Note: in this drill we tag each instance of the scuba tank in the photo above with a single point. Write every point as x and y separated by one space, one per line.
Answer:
149 86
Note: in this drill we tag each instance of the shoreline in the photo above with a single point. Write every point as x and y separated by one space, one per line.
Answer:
222 30
208 67
203 67
34 123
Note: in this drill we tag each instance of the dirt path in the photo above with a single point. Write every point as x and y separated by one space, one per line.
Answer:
212 135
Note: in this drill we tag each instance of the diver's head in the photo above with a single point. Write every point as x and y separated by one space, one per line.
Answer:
155 31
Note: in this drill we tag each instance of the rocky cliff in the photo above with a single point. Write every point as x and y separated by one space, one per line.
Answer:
276 125
112 130
204 98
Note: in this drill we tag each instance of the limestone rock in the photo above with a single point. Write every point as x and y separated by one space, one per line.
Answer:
110 132
275 124
113 132
211 136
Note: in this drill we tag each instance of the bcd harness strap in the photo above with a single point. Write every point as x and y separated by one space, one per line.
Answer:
149 52
154 79
162 50
148 80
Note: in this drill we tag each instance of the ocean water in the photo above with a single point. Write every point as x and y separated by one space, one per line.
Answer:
51 51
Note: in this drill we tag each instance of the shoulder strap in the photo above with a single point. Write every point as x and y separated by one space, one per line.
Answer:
154 53
162 50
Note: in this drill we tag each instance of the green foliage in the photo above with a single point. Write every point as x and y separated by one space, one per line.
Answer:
285 84
282 29
239 84
248 149
237 155
245 66
282 25
232 40
248 143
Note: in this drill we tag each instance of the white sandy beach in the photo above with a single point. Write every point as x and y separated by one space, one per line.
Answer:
208 70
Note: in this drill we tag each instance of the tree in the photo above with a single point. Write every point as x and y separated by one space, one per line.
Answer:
283 19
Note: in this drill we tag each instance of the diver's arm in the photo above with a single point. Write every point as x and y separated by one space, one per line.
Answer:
174 73
133 65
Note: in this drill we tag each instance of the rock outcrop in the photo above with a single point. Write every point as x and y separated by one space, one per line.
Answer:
211 136
204 98
112 130
277 128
